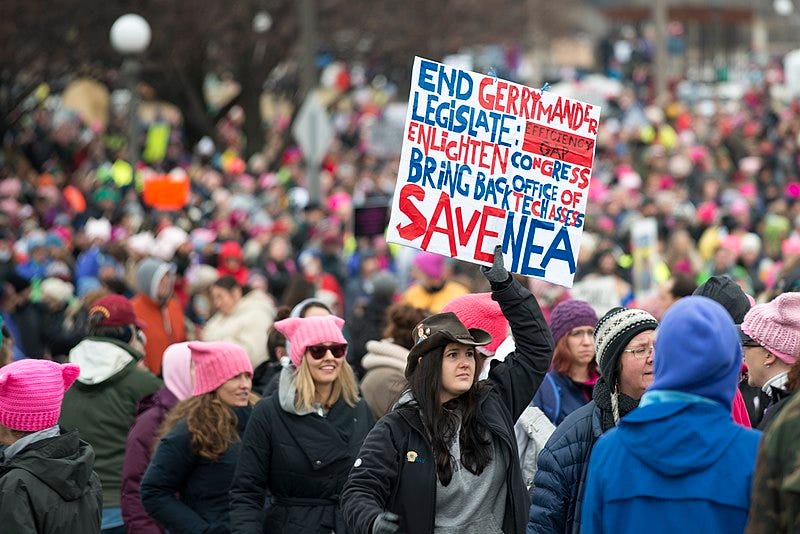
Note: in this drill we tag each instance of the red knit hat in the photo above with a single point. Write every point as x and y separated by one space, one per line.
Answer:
478 310
776 326
309 331
216 362
31 392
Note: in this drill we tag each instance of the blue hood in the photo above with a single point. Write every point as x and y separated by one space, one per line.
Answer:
698 351
675 438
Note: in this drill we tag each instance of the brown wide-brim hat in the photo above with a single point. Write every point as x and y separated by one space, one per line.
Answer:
437 331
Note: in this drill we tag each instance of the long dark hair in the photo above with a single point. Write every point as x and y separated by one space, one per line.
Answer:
441 420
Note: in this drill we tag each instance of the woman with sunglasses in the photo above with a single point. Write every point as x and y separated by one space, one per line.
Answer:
301 442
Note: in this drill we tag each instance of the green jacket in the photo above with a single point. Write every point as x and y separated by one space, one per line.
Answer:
775 506
102 404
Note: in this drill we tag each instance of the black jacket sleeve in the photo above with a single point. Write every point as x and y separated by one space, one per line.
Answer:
522 372
172 464
375 474
248 491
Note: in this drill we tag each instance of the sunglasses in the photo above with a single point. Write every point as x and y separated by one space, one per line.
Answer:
319 351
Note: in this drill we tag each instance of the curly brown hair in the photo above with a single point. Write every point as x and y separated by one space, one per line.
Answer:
400 322
211 423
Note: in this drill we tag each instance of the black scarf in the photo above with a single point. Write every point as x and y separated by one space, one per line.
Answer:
602 397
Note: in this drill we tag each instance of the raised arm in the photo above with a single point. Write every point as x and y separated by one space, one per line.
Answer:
522 372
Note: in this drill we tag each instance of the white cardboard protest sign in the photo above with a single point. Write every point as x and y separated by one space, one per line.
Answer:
486 161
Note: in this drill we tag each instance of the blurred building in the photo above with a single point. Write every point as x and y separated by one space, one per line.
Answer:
706 36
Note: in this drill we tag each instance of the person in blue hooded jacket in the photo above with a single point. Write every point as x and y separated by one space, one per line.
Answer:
678 463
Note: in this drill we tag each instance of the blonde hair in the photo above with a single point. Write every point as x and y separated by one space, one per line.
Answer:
344 386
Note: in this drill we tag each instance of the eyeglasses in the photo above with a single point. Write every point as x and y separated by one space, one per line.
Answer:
641 352
319 351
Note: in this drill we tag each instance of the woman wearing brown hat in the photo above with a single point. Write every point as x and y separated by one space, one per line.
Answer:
445 459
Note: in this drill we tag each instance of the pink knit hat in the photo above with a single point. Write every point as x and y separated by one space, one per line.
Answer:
216 362
309 331
432 265
776 326
478 310
176 368
31 392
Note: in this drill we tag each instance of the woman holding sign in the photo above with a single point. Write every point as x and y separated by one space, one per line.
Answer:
445 459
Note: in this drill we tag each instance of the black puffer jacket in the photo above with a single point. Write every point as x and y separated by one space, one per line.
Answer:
303 460
396 471
558 485
49 487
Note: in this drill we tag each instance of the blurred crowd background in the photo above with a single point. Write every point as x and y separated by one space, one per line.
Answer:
190 150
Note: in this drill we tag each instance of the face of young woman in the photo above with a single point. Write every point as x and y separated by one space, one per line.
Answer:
458 370
636 365
236 391
580 342
326 369
224 300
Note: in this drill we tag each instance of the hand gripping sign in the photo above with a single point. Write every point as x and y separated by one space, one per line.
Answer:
487 161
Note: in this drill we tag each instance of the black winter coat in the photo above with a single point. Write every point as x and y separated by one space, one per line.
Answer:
303 460
185 492
396 470
49 488
562 467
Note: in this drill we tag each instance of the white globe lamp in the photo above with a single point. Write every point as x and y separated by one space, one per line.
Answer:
130 34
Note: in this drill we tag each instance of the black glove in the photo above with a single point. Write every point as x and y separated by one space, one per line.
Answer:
386 523
497 272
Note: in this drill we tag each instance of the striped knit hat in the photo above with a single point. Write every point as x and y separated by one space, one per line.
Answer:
31 392
611 335
614 331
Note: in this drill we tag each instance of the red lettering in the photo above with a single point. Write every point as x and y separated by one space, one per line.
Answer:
465 233
488 211
442 205
487 101
417 226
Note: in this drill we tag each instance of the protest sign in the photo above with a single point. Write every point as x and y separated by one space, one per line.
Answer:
644 248
167 192
486 161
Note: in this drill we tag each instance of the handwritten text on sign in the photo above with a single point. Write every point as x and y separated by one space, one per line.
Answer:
489 161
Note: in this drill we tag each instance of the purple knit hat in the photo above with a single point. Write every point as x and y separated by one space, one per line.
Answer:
776 326
216 362
31 392
571 314
309 331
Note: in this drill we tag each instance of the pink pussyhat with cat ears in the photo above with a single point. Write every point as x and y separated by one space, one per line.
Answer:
31 392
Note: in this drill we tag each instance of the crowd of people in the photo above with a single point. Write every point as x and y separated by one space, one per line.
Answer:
252 362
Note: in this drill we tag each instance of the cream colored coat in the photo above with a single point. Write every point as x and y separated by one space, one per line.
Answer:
246 325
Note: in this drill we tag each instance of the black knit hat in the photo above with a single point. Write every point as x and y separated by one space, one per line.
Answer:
613 332
728 293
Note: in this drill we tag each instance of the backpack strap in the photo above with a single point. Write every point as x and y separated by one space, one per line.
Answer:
557 394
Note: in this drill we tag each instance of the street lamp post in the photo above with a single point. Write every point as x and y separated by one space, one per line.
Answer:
130 36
